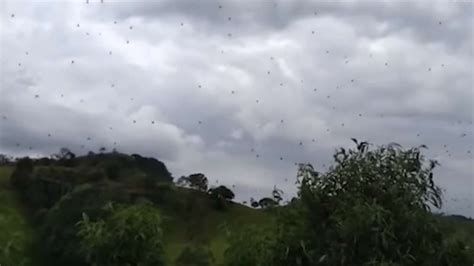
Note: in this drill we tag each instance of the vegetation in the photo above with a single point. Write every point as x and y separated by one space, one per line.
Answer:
195 256
372 207
129 235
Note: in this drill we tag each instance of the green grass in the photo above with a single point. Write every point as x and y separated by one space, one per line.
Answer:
206 226
16 235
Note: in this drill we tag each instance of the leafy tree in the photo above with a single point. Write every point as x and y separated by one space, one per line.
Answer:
267 202
130 235
195 256
153 168
277 195
64 153
195 181
221 194
254 203
371 208
58 231
65 157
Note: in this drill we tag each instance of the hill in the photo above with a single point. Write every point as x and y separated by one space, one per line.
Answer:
50 190
43 199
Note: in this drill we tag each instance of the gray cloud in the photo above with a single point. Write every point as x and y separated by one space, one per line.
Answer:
206 101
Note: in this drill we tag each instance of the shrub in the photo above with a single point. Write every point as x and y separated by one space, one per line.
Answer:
58 232
129 235
251 246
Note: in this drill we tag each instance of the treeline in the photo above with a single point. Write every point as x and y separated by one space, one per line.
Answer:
372 207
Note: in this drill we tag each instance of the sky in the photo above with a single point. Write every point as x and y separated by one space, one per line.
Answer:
241 90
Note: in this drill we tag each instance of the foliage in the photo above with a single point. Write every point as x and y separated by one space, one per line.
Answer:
253 246
65 157
195 256
254 203
112 171
15 232
371 208
195 181
130 235
153 168
58 232
267 202
221 194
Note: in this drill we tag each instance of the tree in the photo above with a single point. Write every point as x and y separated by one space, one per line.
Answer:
64 154
277 195
195 181
372 207
130 235
221 194
102 149
267 203
65 157
194 256
254 203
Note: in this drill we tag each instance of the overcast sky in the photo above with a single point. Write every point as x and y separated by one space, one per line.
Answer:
241 90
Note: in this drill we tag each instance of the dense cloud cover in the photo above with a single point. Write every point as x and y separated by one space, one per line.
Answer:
241 90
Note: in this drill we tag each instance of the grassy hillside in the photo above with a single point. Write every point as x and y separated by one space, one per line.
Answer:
190 217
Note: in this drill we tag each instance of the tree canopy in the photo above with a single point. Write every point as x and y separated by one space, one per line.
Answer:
196 181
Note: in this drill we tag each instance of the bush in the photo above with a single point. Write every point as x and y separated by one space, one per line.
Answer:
195 256
58 232
252 246
129 235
